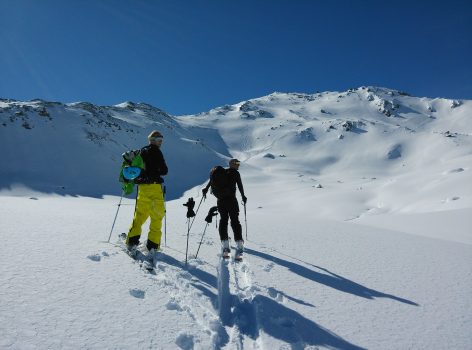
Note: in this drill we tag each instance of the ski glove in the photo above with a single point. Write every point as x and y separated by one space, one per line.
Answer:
244 199
205 191
190 205
212 212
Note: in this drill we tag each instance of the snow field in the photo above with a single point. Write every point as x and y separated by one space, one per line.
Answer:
353 286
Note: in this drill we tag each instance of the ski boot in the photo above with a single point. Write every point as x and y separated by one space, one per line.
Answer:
225 249
238 256
149 259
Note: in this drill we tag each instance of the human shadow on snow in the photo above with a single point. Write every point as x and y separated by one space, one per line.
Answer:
289 326
276 294
275 319
264 314
329 279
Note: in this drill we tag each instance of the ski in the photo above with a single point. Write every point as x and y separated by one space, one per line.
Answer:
144 263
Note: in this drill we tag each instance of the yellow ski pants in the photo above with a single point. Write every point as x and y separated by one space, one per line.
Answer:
149 203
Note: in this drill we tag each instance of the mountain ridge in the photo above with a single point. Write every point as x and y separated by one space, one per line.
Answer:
369 131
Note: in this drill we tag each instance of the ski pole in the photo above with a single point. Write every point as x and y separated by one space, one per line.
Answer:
212 212
201 241
190 213
165 214
196 212
188 234
116 215
245 219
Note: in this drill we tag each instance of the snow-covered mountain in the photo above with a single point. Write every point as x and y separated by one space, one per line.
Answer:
406 153
372 132
76 148
357 225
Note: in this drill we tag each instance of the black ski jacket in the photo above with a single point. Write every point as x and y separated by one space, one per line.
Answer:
155 166
234 179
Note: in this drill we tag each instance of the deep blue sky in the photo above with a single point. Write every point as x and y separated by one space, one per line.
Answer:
190 56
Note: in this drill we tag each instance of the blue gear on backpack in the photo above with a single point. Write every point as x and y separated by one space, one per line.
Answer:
131 172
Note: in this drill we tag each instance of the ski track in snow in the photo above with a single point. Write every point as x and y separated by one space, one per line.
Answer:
186 295
234 319
230 321
235 302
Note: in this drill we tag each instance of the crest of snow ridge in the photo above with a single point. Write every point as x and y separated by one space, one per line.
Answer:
99 121
279 121
102 121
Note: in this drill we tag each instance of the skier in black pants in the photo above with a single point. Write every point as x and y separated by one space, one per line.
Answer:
224 188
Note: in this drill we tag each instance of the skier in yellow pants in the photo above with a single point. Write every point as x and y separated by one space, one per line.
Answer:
150 200
149 203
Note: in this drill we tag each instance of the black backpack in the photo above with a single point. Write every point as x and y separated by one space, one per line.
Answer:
219 182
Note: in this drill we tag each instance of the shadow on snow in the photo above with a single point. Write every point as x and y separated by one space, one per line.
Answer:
329 279
289 326
262 313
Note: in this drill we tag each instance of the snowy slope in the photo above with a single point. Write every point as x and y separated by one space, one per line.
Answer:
354 241
372 150
76 149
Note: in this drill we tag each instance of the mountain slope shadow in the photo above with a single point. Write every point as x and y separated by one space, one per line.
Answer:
289 326
330 279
